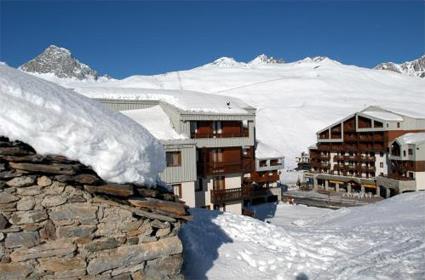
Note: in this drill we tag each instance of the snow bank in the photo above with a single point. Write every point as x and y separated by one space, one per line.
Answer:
55 120
381 241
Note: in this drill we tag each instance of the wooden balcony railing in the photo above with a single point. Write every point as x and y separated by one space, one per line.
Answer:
216 168
265 178
243 133
226 195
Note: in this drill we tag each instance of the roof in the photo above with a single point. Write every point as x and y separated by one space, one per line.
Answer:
188 101
264 151
156 121
412 138
383 115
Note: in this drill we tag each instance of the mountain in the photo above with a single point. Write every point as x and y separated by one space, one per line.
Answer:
264 59
60 62
293 100
412 68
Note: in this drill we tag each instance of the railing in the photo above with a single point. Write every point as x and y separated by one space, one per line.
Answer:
226 195
243 133
266 177
210 168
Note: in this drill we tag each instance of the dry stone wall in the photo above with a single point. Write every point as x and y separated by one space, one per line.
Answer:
59 220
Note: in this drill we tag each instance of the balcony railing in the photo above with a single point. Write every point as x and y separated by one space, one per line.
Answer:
266 177
243 133
215 168
226 196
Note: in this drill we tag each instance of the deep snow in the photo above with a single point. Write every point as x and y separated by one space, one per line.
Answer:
293 100
55 120
381 241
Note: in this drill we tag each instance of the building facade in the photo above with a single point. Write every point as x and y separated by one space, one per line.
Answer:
210 153
406 168
352 152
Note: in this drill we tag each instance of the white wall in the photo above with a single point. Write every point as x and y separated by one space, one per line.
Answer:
188 193
420 181
235 208
378 160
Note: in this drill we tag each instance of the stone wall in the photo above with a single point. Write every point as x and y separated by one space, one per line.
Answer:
59 220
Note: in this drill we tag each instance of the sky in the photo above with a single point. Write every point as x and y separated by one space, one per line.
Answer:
137 37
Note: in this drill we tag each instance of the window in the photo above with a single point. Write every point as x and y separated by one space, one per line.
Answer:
404 153
173 159
218 183
398 125
381 154
193 128
177 189
217 127
381 164
217 155
410 151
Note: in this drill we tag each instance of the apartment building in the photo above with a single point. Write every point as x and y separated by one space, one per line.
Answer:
303 162
351 153
406 168
209 141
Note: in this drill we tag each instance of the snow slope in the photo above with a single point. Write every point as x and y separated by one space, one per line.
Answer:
294 100
55 120
381 241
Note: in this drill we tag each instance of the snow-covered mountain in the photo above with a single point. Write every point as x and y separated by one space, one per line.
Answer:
412 68
293 100
61 63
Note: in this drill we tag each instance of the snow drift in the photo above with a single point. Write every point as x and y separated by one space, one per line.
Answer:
55 120
381 241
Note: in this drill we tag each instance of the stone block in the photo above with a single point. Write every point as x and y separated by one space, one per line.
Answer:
28 217
10 271
26 203
22 181
55 248
53 200
22 239
7 198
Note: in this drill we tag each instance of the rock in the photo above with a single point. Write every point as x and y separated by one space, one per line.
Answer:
22 239
9 271
2 166
22 181
71 274
48 232
55 248
131 269
1 238
13 151
55 188
3 222
149 215
175 208
102 244
7 198
62 264
134 254
158 224
30 191
44 181
76 199
162 232
53 200
111 189
68 213
28 217
7 207
26 203
115 221
164 267
87 179
66 169
75 231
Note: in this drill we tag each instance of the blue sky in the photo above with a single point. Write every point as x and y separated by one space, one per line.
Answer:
136 37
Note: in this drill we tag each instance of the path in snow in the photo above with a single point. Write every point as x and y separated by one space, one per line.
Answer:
381 241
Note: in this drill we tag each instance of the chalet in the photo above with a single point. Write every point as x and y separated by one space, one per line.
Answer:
351 153
209 142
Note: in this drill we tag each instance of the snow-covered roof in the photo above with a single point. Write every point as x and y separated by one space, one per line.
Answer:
412 138
55 120
264 151
383 115
188 101
156 121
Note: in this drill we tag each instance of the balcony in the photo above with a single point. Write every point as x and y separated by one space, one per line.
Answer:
217 168
226 195
242 133
265 178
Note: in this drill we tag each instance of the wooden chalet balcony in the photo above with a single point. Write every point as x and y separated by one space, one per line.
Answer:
267 177
226 195
243 133
217 168
325 157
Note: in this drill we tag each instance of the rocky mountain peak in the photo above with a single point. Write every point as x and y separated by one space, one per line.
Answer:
264 59
414 68
60 62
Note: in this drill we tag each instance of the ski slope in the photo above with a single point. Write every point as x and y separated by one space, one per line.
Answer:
293 100
381 241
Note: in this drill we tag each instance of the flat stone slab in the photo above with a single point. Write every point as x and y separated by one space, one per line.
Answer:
56 248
